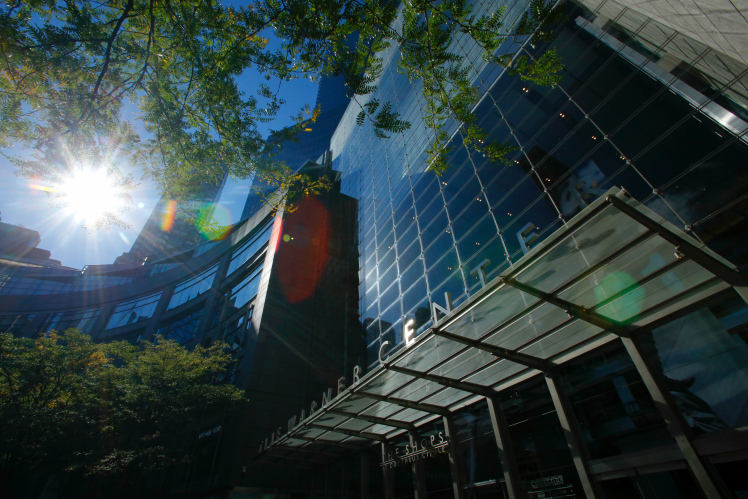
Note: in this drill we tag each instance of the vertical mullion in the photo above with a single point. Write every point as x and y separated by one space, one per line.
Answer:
364 485
388 475
709 483
455 461
506 452
419 479
571 432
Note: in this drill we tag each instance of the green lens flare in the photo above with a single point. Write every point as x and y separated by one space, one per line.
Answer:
622 307
213 220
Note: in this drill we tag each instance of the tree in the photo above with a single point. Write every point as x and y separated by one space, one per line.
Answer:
67 70
103 410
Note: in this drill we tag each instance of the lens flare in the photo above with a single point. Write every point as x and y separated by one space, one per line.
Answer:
44 188
625 296
167 215
91 195
303 257
213 220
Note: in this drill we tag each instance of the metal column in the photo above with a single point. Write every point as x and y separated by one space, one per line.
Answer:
387 474
364 484
419 478
455 459
710 483
506 452
571 432
343 482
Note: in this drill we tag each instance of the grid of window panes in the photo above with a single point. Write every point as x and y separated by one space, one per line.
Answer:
31 286
639 106
248 249
133 311
87 283
79 319
163 267
234 330
204 247
192 288
246 290
181 330
15 323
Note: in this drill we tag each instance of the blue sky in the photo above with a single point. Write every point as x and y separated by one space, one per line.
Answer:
62 234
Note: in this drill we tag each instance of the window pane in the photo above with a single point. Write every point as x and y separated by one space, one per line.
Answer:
133 311
181 330
246 290
704 360
192 288
248 249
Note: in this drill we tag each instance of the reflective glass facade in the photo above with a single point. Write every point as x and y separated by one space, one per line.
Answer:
277 303
83 320
249 249
133 311
640 106
192 288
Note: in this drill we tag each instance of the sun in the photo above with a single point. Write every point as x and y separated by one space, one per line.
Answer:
91 195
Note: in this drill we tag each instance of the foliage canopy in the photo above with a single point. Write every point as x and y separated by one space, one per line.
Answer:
69 71
103 409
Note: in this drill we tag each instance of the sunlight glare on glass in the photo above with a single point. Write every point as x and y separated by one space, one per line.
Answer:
91 194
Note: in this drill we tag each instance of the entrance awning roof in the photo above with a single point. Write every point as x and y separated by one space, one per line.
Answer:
614 269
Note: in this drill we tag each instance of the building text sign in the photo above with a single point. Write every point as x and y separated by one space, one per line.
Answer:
427 447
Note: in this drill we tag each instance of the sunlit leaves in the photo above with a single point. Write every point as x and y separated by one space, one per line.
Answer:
288 187
427 55
69 69
543 71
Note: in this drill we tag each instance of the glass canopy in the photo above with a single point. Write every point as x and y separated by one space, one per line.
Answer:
615 269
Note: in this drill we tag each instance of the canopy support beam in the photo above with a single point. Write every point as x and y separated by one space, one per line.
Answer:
432 409
445 381
570 308
352 433
374 419
502 353
719 269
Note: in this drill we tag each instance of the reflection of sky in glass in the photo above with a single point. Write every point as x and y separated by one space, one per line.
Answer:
699 350
182 329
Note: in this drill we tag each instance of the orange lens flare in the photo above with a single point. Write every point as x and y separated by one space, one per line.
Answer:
302 256
167 215
275 236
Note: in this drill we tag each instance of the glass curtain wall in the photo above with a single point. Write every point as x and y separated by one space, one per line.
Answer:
640 106
192 288
615 120
133 311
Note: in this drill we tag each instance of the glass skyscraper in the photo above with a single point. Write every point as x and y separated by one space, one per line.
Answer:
639 106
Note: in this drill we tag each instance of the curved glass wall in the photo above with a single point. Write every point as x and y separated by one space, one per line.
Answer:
192 288
133 311
83 320
248 249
